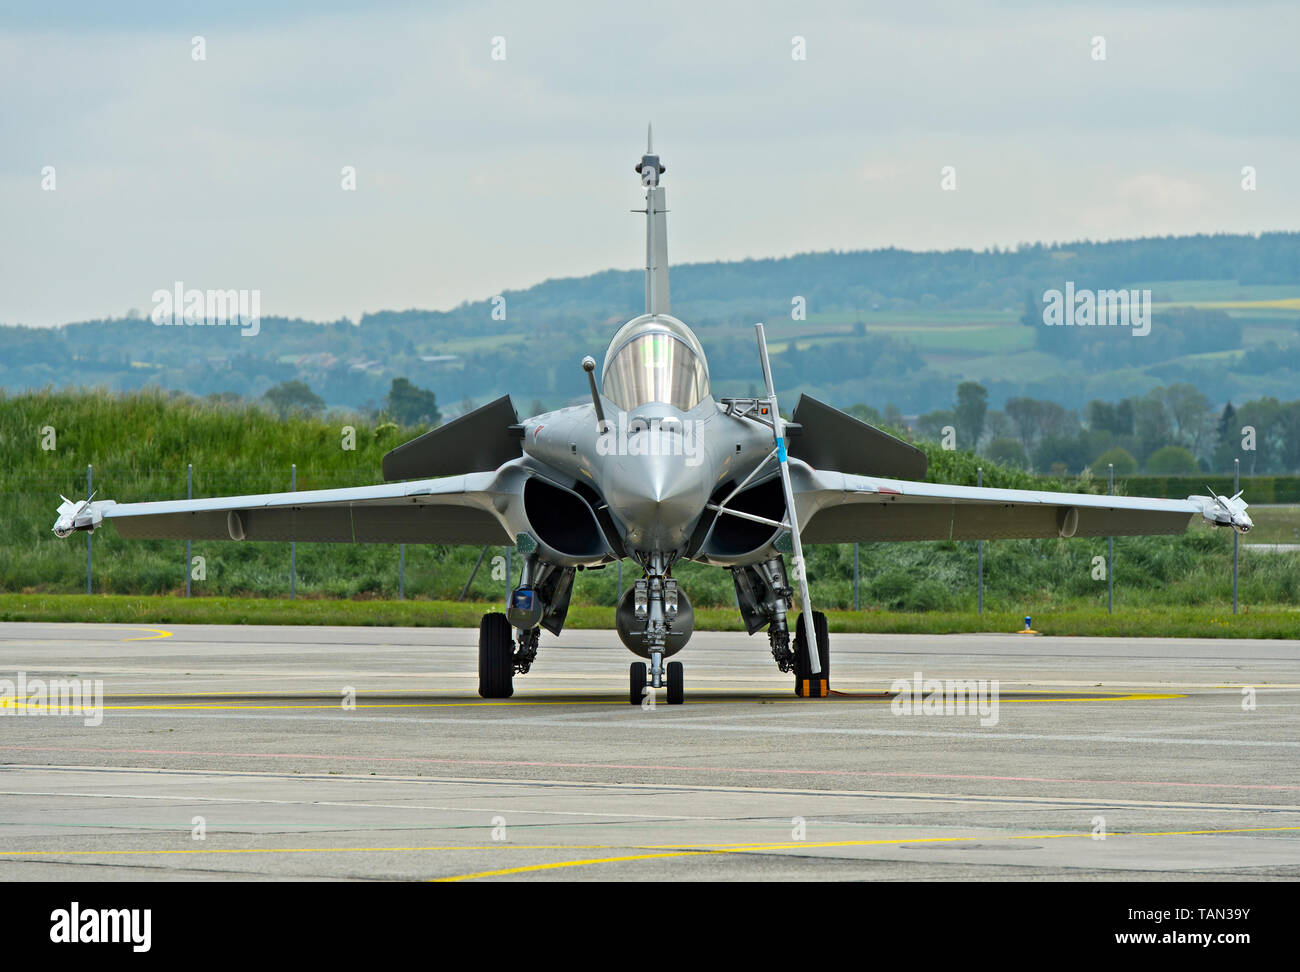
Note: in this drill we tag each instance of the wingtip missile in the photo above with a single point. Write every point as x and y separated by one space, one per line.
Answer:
1225 510
76 516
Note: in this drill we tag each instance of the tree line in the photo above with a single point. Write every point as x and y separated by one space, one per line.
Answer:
1169 431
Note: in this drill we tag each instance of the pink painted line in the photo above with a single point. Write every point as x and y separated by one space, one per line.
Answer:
638 766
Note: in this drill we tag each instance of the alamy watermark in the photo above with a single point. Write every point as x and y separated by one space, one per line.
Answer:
651 437
241 308
57 696
127 926
1087 308
953 696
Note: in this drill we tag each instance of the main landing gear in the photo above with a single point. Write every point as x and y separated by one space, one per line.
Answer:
499 658
764 595
507 643
806 684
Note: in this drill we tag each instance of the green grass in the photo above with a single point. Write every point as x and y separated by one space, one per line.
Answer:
1010 366
140 444
1213 621
941 338
1001 338
1212 291
922 318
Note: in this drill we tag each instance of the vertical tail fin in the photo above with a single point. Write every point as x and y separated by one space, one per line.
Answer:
656 231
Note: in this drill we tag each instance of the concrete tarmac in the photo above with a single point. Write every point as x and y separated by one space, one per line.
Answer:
227 752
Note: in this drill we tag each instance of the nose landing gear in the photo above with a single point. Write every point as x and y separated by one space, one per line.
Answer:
639 684
655 619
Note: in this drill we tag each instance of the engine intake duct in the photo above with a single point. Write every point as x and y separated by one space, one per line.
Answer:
563 521
732 536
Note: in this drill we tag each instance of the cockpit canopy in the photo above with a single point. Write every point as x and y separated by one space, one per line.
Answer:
655 358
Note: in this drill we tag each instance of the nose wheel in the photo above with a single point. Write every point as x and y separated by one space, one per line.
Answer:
639 683
676 684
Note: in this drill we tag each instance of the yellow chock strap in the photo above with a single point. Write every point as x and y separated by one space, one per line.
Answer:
812 688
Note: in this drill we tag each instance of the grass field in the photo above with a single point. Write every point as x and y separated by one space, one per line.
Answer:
1209 621
140 445
1203 292
933 317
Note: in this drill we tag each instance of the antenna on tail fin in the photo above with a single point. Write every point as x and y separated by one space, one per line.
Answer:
656 229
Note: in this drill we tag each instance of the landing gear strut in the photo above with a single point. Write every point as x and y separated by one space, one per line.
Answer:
659 611
765 596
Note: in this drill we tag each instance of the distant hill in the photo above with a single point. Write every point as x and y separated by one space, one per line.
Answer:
882 327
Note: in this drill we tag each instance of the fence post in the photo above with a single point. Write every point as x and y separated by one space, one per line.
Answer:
1236 537
90 535
855 577
979 546
1110 551
293 551
401 572
478 563
189 494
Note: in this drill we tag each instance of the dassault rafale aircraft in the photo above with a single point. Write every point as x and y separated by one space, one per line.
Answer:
656 470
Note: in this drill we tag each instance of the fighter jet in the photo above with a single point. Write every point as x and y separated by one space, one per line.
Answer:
658 471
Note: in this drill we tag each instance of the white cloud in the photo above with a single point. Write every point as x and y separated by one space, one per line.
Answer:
476 176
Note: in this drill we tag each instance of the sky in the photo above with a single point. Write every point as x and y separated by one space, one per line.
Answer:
476 174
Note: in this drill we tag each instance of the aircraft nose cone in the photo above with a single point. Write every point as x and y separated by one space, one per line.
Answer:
658 499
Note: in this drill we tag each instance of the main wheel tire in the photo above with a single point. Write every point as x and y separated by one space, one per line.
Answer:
496 662
636 683
805 683
676 684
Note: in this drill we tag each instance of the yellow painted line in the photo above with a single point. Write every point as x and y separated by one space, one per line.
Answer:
296 850
669 849
1189 833
182 706
805 845
559 864
656 850
158 633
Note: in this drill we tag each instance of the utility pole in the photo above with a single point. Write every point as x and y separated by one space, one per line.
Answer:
293 551
189 494
1236 537
1110 552
90 534
979 546
855 577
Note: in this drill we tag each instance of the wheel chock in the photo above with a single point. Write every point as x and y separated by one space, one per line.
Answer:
812 688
